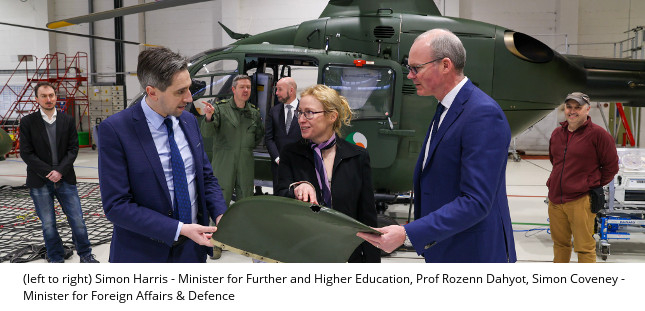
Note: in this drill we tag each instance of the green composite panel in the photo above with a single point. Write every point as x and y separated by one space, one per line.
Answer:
5 143
278 229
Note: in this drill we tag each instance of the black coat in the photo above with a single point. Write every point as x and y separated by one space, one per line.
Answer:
36 152
351 186
275 131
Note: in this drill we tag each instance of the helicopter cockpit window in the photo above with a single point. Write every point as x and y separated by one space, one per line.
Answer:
369 90
217 78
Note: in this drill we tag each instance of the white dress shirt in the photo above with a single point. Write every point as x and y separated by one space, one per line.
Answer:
46 118
160 137
446 102
293 104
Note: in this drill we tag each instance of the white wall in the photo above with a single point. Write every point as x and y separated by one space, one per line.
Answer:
550 21
253 17
605 22
20 41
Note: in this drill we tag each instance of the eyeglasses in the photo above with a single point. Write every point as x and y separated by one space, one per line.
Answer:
308 114
415 69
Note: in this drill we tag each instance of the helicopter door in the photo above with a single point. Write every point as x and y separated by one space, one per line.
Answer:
263 86
370 93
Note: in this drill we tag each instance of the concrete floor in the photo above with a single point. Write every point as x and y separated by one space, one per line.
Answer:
525 186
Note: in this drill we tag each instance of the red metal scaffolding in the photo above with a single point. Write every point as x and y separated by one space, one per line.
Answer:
68 74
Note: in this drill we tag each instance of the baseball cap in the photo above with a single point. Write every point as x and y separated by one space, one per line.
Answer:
581 98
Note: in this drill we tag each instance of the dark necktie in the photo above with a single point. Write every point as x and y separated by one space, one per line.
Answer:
435 128
289 118
320 168
436 119
182 197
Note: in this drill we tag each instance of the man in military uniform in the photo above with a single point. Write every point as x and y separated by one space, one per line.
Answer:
236 128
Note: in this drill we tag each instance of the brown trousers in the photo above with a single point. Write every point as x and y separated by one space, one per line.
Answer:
575 218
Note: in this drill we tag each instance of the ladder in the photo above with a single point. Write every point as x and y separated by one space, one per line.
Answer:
68 75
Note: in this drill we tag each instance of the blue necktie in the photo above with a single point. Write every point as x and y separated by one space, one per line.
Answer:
182 197
436 119
320 168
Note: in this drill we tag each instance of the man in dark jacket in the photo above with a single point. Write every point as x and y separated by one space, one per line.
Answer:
281 127
49 145
584 157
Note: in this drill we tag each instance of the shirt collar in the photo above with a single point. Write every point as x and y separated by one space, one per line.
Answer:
450 97
292 104
152 116
46 118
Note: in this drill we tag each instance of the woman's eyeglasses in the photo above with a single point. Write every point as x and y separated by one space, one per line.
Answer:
308 114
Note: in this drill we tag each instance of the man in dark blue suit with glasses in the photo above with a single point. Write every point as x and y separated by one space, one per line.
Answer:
461 210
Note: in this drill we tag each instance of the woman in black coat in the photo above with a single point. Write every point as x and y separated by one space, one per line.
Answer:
324 169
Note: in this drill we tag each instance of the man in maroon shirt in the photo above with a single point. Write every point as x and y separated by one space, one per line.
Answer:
584 157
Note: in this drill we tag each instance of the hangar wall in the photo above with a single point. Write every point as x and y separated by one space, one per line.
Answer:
20 41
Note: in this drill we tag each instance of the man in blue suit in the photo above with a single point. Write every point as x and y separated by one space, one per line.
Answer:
461 210
157 184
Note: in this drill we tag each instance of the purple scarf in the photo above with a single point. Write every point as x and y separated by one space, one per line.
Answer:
321 173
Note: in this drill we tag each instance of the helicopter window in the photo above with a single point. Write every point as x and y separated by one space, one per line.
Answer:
217 77
219 67
369 91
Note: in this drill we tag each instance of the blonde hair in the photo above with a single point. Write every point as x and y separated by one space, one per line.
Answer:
331 101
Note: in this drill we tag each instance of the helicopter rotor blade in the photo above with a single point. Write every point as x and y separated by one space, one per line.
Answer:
139 8
75 34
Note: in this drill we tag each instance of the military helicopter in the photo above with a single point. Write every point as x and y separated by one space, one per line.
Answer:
359 48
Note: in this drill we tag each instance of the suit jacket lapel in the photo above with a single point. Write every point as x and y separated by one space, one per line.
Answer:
193 143
451 116
418 167
61 124
281 118
148 145
39 125
294 122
